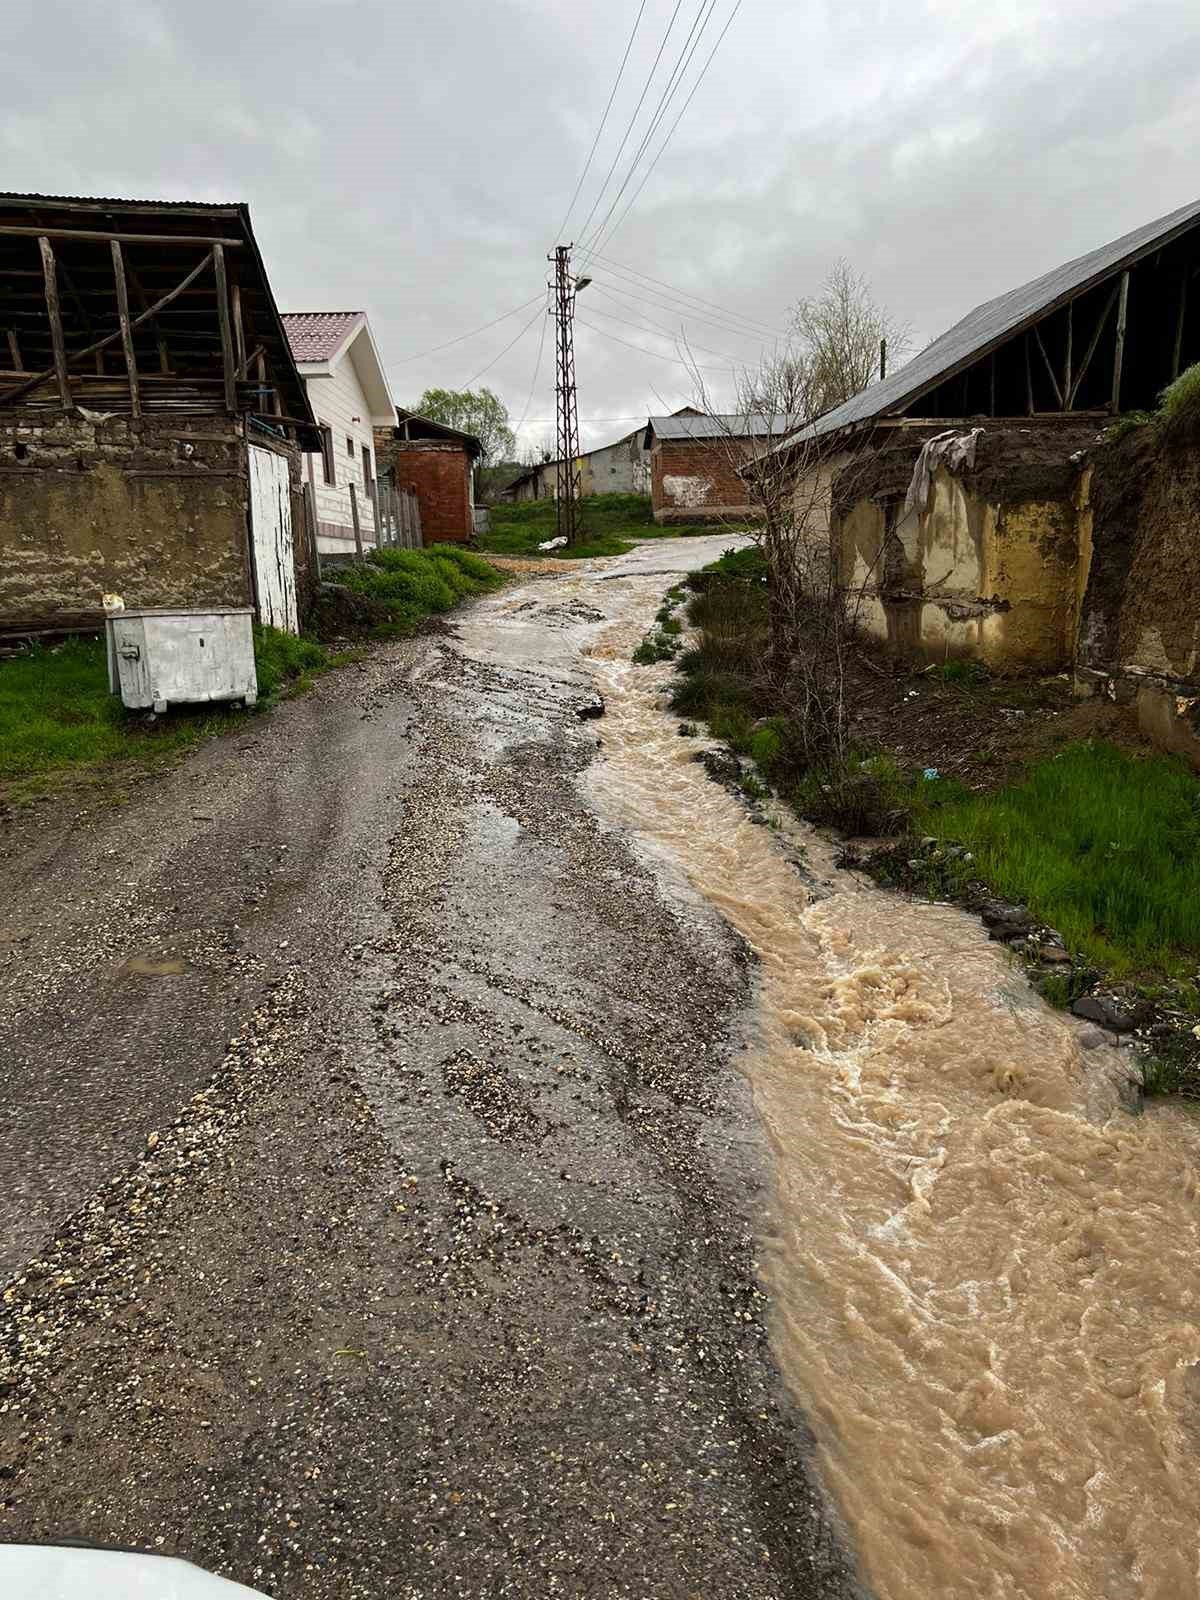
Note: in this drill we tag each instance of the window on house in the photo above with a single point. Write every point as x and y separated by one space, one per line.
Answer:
327 468
368 475
350 447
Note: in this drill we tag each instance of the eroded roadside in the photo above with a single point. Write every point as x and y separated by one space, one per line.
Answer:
447 1284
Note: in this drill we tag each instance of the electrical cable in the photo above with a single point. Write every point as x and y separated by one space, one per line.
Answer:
683 294
435 348
471 382
536 371
692 366
632 120
700 20
665 333
595 142
623 299
649 170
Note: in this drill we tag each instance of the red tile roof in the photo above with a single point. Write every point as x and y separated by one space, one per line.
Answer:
315 335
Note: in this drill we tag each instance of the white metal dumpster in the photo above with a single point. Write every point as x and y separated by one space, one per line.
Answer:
160 657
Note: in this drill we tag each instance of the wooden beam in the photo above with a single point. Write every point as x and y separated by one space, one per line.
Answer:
1091 349
143 300
358 544
122 238
54 312
126 332
1028 378
1119 353
1053 380
1181 315
239 336
1065 395
79 355
14 350
227 361
992 386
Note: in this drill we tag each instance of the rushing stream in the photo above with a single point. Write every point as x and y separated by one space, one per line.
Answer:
985 1273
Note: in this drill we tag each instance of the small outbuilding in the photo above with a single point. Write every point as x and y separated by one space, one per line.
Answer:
436 465
696 459
151 415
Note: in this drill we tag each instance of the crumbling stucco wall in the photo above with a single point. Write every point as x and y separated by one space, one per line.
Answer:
1139 631
152 510
989 569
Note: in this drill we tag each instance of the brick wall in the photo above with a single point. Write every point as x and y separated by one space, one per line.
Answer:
440 473
696 481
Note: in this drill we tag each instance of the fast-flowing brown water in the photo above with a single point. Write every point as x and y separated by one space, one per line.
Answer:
987 1277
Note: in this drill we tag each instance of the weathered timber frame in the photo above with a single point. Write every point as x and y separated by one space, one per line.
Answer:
83 280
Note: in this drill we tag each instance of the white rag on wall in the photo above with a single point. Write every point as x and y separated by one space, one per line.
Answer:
951 450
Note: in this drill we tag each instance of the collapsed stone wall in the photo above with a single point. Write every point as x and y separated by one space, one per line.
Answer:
154 510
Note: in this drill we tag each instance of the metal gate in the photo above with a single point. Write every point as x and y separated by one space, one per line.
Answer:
271 540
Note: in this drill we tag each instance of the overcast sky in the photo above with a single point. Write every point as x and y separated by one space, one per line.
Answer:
415 160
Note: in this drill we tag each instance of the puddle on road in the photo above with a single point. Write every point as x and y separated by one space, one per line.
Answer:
985 1277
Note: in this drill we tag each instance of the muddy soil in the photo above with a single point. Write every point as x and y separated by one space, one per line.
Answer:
377 1191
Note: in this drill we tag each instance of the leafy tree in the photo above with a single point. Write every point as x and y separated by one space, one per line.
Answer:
477 411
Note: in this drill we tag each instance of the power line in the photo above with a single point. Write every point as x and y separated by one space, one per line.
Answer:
632 120
664 333
691 95
641 349
503 352
617 292
595 142
536 370
617 266
701 20
434 350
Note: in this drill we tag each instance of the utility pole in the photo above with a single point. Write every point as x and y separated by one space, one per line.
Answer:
566 406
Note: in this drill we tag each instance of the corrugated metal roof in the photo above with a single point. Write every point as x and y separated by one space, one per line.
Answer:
724 426
316 335
994 321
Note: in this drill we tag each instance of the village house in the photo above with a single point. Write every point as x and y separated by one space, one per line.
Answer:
1028 539
339 361
153 417
695 462
435 464
622 467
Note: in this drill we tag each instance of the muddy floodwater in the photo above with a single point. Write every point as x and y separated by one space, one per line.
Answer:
984 1271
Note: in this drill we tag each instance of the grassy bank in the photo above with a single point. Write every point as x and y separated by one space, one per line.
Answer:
1100 843
406 587
610 523
59 723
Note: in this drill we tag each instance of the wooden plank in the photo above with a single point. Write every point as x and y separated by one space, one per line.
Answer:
1053 380
227 361
310 519
1065 392
79 355
1091 349
358 544
7 232
1028 378
1119 353
239 336
118 260
54 312
1177 354
14 350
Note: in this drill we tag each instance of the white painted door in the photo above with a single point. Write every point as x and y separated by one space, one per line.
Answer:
271 539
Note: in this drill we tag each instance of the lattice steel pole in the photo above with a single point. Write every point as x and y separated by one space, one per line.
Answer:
566 406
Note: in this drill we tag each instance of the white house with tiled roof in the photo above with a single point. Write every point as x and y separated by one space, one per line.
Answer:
347 388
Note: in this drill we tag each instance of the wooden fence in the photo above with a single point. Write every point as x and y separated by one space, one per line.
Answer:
397 516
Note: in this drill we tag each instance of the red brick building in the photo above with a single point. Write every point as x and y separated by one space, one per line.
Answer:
694 461
437 464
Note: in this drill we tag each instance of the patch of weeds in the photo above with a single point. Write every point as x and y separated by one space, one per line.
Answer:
961 673
656 646
754 788
1173 1067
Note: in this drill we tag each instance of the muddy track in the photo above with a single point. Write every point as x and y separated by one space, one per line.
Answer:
446 1285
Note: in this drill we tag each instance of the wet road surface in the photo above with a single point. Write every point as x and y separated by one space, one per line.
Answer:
377 1188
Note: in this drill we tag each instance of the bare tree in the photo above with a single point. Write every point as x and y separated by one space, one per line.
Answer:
815 599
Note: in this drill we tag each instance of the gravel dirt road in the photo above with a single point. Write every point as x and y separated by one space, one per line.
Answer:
378 1195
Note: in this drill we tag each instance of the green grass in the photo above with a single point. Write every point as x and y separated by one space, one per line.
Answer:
1101 845
57 717
416 584
609 523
